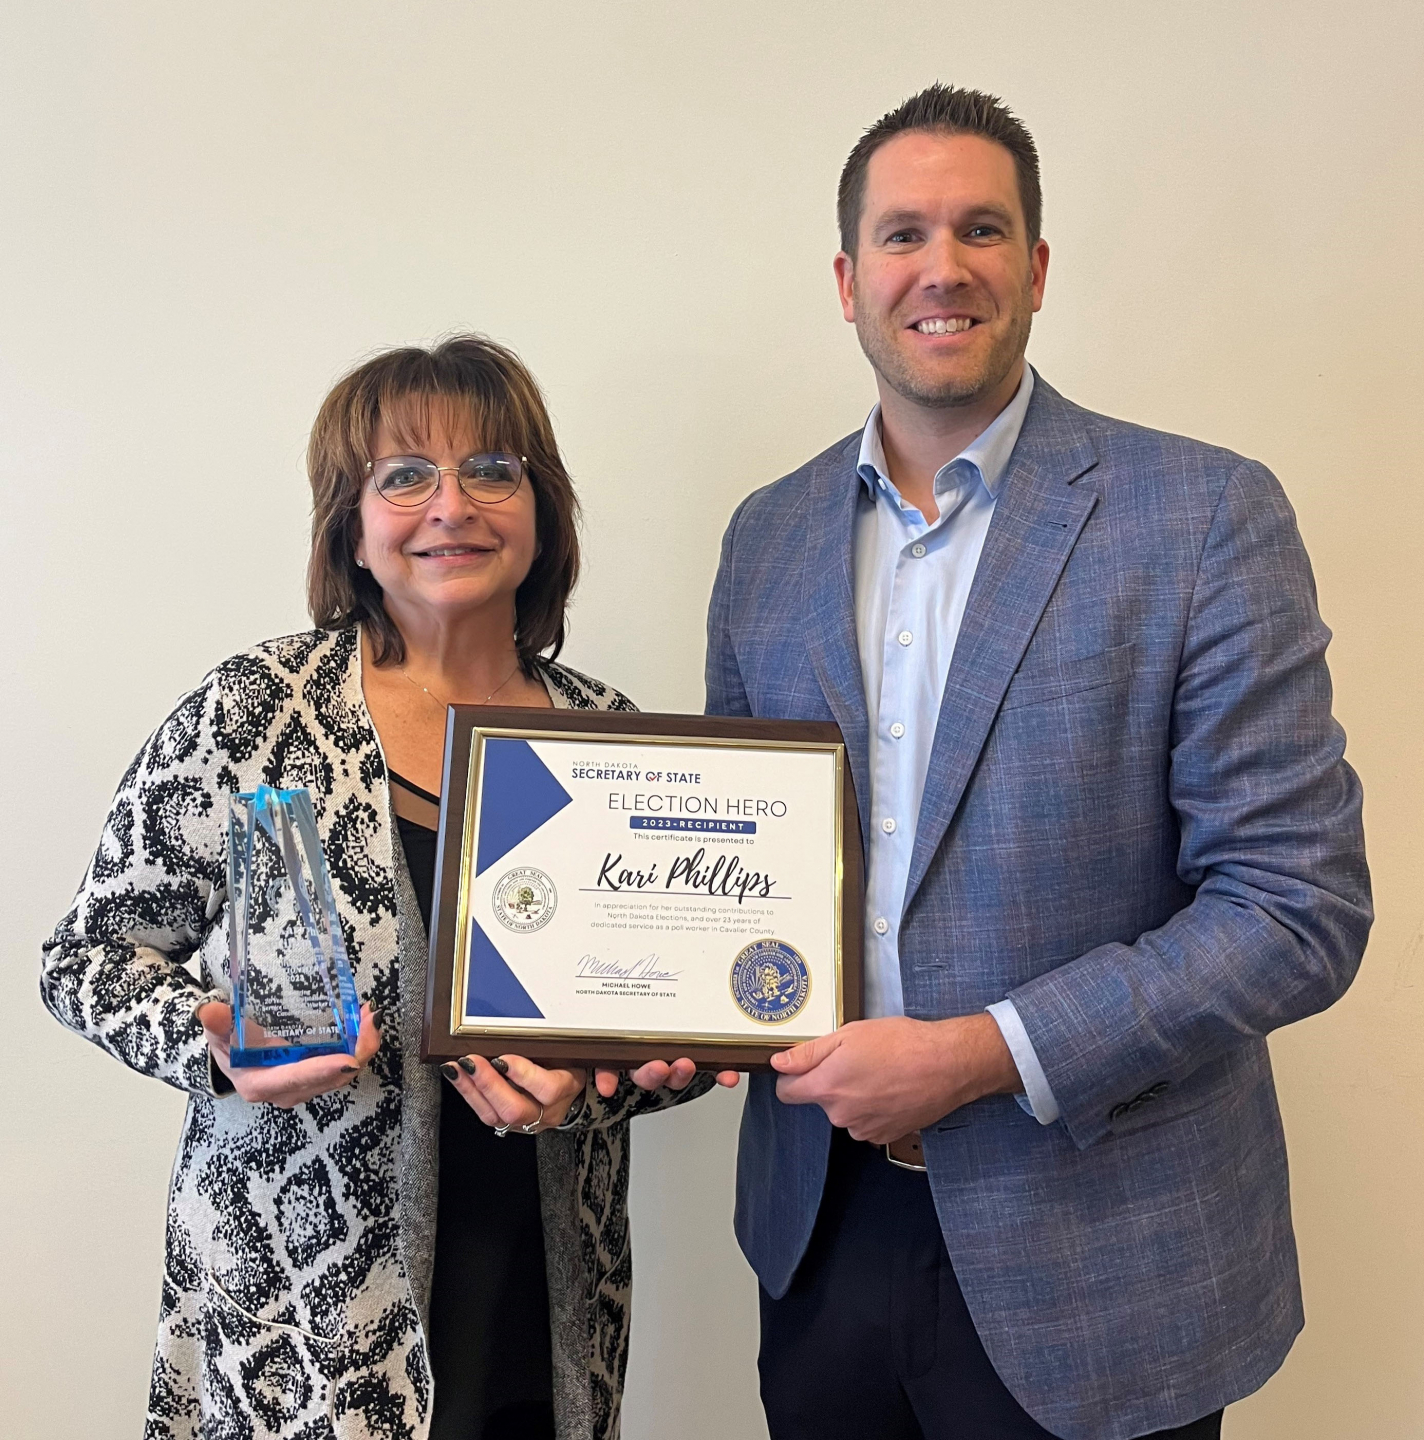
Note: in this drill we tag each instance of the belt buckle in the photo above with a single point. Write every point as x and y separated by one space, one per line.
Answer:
907 1153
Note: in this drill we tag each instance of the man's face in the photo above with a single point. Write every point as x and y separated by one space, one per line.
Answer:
944 287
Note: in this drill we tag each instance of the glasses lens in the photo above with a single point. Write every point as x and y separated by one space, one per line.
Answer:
491 478
405 479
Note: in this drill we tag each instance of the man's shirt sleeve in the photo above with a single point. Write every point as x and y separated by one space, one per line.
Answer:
1037 1098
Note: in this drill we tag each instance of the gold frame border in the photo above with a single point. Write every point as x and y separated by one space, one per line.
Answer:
474 798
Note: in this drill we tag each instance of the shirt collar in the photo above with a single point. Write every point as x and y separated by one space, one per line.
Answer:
988 452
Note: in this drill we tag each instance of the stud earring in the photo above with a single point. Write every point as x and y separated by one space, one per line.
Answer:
361 563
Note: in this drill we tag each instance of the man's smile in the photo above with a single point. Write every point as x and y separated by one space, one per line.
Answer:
944 325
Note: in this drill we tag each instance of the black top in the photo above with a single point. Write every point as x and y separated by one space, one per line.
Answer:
489 1304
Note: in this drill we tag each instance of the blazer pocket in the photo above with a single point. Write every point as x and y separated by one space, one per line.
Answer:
1052 681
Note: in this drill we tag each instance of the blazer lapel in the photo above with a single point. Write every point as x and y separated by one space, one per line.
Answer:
1037 520
830 589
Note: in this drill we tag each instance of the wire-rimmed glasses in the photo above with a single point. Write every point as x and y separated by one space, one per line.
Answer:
487 479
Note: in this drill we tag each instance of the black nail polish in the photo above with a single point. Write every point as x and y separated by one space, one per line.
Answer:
466 1064
378 1019
500 1064
349 1069
450 1073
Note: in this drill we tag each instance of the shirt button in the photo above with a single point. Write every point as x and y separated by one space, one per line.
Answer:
904 637
918 552
896 730
881 925
888 825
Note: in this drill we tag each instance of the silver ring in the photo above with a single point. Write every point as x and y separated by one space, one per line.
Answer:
500 1131
532 1128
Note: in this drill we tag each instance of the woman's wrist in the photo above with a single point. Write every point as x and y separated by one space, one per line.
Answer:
576 1117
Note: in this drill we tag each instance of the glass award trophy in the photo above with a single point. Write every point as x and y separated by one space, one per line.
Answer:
293 993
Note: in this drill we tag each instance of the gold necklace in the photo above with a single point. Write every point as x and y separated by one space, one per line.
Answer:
443 703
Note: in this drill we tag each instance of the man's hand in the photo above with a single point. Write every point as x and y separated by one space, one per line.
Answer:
881 1079
287 1086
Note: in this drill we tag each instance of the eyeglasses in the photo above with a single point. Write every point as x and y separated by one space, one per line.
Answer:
412 479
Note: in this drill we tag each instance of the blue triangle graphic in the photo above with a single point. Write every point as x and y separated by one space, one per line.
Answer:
493 989
519 795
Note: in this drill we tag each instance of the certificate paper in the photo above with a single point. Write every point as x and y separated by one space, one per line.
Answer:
629 891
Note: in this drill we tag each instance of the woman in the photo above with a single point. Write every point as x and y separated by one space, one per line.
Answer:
318 1278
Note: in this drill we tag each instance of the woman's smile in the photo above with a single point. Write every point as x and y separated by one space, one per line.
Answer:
452 556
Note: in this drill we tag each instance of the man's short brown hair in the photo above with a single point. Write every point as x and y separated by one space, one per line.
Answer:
464 377
943 110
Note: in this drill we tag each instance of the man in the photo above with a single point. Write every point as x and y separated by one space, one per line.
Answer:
1111 843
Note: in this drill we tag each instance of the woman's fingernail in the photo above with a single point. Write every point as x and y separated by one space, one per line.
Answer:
500 1064
450 1073
466 1064
378 1019
349 1069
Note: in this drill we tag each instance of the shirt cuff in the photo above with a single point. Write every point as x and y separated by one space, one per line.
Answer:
1037 1098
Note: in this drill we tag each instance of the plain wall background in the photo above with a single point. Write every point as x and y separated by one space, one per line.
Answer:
210 212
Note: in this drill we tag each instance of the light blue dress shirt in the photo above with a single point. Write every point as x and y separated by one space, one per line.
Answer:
912 582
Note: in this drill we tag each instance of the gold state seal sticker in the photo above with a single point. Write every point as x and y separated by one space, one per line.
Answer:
770 982
525 899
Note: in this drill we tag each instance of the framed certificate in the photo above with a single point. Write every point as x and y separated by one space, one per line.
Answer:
619 887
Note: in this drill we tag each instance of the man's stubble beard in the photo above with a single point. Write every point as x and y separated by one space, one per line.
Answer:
890 363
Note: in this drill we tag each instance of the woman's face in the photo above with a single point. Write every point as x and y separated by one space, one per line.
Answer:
450 558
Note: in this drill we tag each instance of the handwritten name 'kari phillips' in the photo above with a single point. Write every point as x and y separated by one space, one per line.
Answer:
725 876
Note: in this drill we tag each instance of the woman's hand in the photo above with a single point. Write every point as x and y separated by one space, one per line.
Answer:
287 1086
512 1093
657 1073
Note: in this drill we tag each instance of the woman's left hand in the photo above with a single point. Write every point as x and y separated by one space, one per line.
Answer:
524 1097
657 1073
514 1093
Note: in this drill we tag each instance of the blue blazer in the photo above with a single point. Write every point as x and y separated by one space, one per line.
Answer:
1138 825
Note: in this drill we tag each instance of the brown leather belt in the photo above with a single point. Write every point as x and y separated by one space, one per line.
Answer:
906 1152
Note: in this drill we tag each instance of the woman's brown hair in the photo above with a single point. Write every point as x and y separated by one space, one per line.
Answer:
467 376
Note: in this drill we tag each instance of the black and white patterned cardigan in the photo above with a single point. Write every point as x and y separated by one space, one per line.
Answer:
300 1242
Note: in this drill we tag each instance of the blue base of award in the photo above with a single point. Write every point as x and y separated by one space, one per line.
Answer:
284 1054
293 992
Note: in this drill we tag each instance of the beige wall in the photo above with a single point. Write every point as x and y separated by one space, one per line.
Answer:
208 211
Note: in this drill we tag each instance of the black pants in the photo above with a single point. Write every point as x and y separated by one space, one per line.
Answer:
490 1351
873 1341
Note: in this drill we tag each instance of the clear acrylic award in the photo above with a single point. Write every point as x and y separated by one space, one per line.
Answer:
293 993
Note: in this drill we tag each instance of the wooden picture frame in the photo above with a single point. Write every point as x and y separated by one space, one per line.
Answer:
469 728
